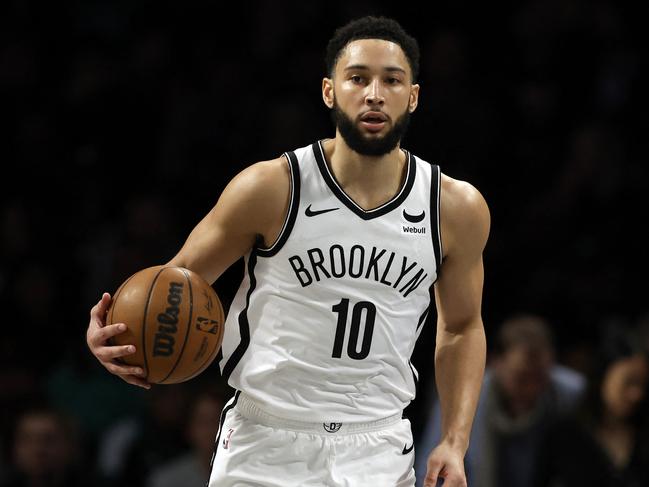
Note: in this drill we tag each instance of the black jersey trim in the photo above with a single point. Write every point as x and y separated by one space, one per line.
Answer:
435 221
415 378
226 409
329 178
219 355
422 318
244 324
291 214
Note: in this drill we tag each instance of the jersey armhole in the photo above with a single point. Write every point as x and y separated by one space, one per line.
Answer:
291 213
435 206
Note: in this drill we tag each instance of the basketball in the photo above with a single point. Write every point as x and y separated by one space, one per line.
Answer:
173 317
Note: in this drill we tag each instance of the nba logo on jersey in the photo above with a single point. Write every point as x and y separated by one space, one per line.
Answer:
331 427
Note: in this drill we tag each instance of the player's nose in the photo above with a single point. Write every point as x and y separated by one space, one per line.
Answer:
374 94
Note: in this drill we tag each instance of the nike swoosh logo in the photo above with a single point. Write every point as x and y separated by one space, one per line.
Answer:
407 450
414 218
310 212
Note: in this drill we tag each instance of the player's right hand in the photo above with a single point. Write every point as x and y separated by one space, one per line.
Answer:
445 462
97 337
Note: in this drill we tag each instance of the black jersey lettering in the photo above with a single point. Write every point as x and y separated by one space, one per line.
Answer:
340 270
337 262
360 258
317 264
387 269
300 271
374 264
404 271
413 283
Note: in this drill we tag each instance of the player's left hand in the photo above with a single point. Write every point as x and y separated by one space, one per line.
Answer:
447 463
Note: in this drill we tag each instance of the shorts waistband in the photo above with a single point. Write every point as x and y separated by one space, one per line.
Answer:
248 408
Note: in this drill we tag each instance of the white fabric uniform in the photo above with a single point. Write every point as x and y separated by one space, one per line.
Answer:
255 448
323 326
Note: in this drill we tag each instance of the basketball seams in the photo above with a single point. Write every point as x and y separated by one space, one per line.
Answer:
189 326
144 319
206 362
210 358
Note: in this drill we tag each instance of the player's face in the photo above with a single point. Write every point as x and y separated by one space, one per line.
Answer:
372 95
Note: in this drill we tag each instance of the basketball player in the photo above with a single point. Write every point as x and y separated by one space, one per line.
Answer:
342 242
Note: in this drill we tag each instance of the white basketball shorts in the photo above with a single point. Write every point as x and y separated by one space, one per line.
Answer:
254 448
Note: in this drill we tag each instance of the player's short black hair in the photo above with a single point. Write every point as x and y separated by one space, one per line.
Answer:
370 27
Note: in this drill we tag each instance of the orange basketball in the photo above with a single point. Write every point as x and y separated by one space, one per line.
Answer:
173 317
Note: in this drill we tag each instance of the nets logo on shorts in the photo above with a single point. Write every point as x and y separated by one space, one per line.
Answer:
331 427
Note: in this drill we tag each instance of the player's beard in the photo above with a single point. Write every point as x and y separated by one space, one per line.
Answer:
369 146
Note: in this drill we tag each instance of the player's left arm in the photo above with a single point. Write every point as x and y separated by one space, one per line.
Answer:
461 346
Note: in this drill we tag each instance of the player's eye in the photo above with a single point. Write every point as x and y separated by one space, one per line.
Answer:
355 78
393 81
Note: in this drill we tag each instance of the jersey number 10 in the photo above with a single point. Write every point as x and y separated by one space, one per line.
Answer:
342 309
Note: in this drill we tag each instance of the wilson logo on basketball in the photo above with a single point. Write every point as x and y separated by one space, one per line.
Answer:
164 341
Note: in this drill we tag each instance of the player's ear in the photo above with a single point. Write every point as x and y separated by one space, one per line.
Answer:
328 92
414 98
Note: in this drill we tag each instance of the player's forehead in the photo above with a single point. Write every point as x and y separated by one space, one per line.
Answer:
374 54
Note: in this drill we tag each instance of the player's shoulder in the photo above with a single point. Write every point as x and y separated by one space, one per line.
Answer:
461 197
263 173
464 211
262 180
260 191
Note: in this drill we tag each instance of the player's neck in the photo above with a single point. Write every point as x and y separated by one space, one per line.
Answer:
374 180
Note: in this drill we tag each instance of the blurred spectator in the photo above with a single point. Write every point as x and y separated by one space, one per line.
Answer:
524 391
193 468
606 442
44 452
76 384
133 446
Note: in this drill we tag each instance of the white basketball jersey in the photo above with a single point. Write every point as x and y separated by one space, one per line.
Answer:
325 321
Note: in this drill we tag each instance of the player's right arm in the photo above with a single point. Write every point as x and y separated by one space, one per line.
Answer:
251 208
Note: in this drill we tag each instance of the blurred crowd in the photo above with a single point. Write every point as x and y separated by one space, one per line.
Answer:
540 423
123 121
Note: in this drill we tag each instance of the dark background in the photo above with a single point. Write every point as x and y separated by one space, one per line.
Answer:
122 121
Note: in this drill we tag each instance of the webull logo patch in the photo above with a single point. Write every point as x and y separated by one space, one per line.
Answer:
413 230
164 341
